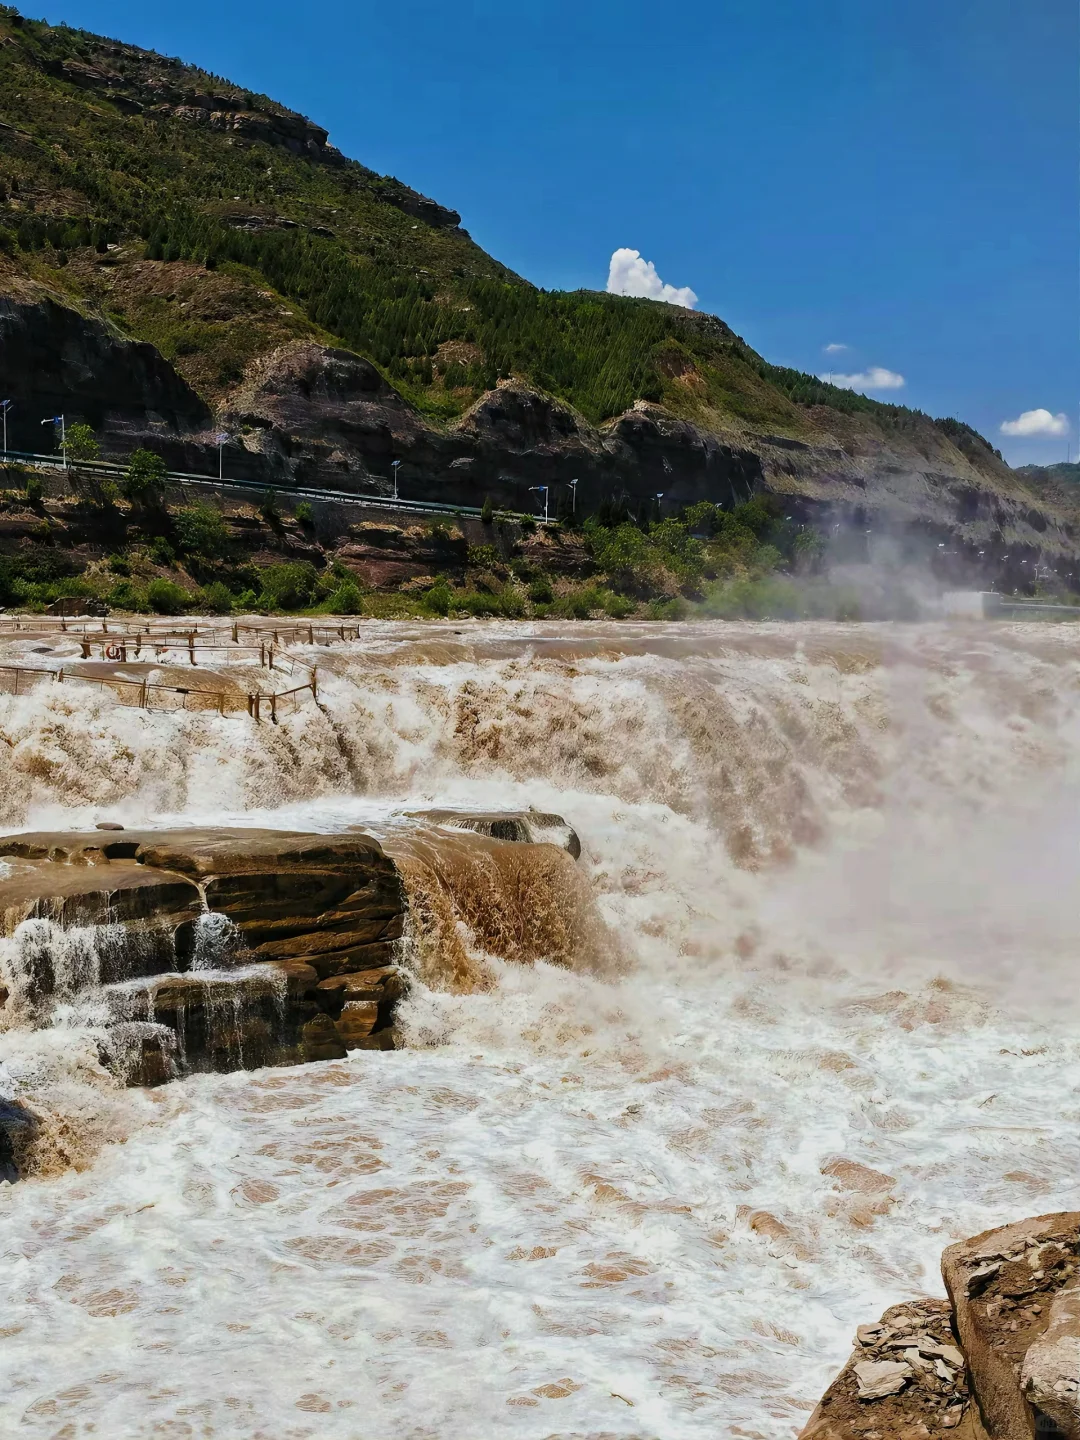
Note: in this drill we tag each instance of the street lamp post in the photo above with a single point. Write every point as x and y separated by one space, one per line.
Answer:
542 489
5 406
573 493
222 440
659 508
59 420
395 465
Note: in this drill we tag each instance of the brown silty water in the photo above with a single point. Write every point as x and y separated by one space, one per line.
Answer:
822 908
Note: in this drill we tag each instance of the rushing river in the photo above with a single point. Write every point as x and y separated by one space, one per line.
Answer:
842 866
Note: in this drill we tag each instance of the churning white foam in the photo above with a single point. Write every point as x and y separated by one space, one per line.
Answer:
578 1206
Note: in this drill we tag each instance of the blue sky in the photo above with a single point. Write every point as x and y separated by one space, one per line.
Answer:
899 179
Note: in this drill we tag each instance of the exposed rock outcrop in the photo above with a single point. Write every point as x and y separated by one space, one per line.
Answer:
209 949
906 1377
520 826
311 414
224 949
1003 1285
999 1360
54 359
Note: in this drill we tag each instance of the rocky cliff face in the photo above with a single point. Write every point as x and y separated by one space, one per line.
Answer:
56 360
314 415
999 1360
311 414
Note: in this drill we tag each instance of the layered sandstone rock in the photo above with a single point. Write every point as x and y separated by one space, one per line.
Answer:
208 949
225 949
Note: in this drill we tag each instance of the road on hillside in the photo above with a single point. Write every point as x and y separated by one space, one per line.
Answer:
302 492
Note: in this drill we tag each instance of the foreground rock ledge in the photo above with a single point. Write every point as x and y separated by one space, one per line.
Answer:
998 1360
225 949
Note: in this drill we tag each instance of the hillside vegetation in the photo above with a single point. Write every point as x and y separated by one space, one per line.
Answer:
176 203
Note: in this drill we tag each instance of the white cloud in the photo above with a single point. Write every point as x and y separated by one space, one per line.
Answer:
629 274
1036 422
834 349
876 378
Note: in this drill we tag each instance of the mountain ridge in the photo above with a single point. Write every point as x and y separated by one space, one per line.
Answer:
175 209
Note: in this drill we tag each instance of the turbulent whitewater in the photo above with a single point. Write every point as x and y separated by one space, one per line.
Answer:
840 864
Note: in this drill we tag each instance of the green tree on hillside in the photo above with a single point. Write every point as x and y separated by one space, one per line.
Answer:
81 443
144 479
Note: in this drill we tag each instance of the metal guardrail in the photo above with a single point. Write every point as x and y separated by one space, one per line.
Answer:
303 492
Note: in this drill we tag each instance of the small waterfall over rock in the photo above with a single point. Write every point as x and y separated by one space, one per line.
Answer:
246 948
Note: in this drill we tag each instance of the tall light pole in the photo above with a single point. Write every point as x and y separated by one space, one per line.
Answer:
659 507
573 492
59 420
5 406
395 466
542 490
222 440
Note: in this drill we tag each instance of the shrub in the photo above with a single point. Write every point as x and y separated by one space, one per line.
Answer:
304 513
617 606
439 598
674 609
81 443
484 557
487 511
511 603
346 599
477 603
540 591
118 565
161 552
767 598
165 597
33 490
124 596
290 586
579 604
201 532
217 598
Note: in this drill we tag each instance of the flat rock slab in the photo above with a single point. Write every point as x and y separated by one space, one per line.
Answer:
527 827
1005 1286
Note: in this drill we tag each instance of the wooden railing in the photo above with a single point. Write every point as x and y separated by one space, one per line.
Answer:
21 679
290 634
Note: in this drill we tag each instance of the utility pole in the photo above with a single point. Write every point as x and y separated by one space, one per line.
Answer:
395 466
5 406
542 490
56 420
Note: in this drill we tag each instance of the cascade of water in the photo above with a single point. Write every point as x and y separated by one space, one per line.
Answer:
839 863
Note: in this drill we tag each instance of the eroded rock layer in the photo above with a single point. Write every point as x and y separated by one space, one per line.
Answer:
998 1360
224 949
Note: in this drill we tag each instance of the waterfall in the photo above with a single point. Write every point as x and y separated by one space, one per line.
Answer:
824 910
